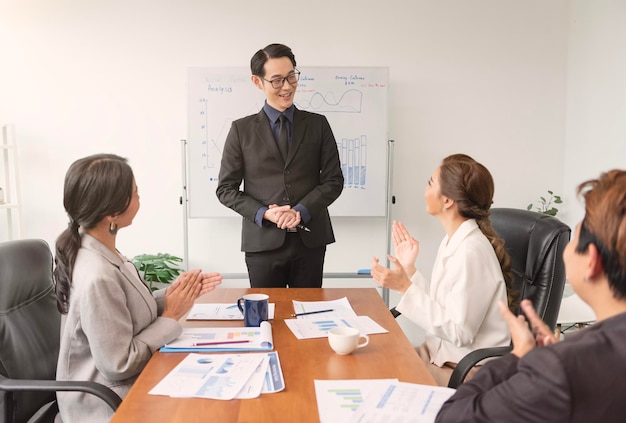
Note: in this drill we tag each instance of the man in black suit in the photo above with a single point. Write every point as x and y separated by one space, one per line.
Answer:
289 164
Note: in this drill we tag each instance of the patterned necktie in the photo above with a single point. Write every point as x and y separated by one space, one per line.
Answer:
283 144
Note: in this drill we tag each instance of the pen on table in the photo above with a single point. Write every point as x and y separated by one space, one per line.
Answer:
312 312
203 344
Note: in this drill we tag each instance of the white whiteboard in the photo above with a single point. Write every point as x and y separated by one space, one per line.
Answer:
354 100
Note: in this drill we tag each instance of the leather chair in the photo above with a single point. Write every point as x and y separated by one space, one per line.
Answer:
535 243
30 336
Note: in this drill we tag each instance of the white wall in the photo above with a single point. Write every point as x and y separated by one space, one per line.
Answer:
596 95
484 77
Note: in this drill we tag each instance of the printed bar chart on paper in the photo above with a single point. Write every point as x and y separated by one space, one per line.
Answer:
338 400
402 402
223 339
348 398
318 328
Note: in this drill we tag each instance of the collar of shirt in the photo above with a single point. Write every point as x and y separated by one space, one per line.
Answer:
273 114
449 245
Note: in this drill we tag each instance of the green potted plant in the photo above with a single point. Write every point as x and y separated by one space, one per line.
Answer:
546 204
158 268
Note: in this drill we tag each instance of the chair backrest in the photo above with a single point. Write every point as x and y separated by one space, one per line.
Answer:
535 243
29 320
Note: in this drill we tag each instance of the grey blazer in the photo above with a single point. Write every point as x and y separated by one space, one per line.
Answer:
310 176
110 332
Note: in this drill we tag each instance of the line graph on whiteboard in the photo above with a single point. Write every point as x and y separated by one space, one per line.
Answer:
353 101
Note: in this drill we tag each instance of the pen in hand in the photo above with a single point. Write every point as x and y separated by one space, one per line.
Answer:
312 312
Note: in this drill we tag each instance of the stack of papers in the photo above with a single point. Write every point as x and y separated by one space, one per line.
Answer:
336 313
223 339
223 376
378 400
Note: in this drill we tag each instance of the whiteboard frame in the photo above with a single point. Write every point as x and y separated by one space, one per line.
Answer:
354 99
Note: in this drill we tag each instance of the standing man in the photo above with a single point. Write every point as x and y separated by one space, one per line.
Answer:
289 164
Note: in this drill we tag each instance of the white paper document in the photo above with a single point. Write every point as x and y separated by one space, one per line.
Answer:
319 327
402 402
378 400
338 400
223 339
221 311
223 376
336 308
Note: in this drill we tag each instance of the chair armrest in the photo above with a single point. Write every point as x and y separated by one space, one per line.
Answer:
395 313
29 385
470 360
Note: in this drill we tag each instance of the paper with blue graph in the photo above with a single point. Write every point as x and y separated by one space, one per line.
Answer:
209 339
338 400
315 318
378 400
223 376
319 327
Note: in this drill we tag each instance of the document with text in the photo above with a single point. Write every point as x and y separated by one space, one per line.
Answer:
402 402
315 309
319 327
223 339
221 311
378 400
223 376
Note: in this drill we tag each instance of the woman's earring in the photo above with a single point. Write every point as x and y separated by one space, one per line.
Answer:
112 228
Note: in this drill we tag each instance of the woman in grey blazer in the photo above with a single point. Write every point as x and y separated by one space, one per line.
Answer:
112 322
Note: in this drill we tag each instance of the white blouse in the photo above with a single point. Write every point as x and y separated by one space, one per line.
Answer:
459 308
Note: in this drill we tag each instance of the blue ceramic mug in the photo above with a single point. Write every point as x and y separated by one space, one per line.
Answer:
254 308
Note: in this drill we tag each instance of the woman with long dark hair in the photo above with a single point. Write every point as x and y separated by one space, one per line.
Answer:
112 322
458 308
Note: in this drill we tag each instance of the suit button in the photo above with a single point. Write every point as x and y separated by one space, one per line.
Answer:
287 172
288 185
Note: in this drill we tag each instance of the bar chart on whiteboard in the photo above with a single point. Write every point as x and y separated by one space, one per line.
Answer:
354 100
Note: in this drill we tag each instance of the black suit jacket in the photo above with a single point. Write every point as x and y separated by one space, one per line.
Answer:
581 379
310 176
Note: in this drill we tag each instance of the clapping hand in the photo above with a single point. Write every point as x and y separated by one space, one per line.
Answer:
395 278
523 339
406 247
180 296
209 281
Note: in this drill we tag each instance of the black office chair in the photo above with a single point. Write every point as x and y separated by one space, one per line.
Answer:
535 243
30 335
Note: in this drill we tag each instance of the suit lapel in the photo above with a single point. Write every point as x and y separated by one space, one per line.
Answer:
298 130
265 135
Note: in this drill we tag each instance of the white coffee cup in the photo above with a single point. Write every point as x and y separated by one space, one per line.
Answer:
343 340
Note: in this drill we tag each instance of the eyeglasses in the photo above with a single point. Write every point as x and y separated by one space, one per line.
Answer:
292 78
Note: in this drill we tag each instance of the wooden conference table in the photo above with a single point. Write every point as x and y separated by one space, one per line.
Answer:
388 355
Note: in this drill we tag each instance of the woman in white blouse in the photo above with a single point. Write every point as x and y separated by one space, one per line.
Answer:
458 309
